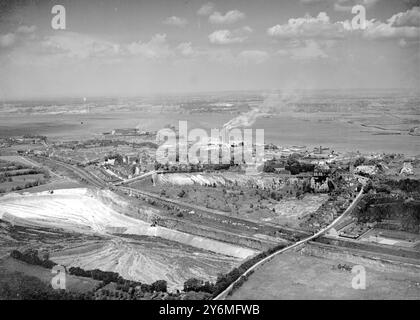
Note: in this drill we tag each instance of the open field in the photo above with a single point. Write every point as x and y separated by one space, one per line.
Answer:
21 160
391 237
298 275
18 173
21 181
54 184
73 283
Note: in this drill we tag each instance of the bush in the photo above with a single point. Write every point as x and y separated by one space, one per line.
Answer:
159 286
32 257
197 285
359 161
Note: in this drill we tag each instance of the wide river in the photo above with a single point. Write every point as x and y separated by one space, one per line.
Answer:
310 130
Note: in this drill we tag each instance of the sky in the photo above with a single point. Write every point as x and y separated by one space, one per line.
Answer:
135 47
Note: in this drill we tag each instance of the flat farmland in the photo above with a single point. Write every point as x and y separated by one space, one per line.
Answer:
18 159
15 176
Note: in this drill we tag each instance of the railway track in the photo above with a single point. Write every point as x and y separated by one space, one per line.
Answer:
212 213
81 173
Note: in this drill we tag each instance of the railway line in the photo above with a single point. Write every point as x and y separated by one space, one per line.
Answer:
81 173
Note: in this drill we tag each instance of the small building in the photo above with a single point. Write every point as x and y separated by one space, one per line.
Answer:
366 170
110 162
407 169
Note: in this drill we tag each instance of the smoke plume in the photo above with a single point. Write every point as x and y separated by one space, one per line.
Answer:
274 103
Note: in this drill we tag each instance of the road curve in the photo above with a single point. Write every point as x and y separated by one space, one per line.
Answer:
224 293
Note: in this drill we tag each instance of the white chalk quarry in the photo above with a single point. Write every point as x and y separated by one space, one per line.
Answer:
80 211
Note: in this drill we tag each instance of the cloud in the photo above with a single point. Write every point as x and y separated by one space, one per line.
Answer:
26 29
247 29
347 5
186 50
7 40
379 30
76 45
13 38
306 50
342 5
400 25
254 56
156 48
206 9
310 27
311 1
175 21
229 18
227 36
410 18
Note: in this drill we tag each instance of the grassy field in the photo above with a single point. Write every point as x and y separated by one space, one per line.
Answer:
73 283
17 159
54 184
294 275
16 175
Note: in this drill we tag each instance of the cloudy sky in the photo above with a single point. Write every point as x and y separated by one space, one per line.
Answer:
133 47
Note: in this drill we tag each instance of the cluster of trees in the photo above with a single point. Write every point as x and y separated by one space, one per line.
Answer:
13 166
406 185
198 285
31 136
122 284
32 257
29 184
146 144
271 165
292 164
368 162
4 179
35 183
96 274
22 173
7 177
377 208
296 167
